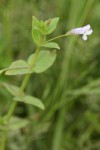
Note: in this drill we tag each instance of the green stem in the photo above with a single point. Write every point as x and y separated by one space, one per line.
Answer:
11 110
14 104
27 77
60 36
24 83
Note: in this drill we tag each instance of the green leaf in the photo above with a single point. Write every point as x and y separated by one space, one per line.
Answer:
12 89
41 27
16 123
51 45
30 100
36 35
18 67
2 71
35 23
44 61
51 25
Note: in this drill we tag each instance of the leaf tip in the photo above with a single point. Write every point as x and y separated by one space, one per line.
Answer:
42 107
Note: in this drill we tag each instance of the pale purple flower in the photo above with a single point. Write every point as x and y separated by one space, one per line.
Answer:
86 30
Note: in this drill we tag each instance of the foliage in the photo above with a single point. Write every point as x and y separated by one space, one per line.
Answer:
70 89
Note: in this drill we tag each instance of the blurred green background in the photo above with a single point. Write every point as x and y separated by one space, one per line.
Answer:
70 89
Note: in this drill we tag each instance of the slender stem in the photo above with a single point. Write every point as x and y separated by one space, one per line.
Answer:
60 36
24 83
27 77
14 104
35 57
11 110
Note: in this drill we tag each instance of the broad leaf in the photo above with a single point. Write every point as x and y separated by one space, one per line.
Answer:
30 100
51 25
45 60
51 45
18 67
12 89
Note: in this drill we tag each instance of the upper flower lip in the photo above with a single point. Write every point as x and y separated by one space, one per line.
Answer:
86 30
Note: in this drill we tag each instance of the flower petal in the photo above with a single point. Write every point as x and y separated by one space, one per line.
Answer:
84 37
81 30
77 31
87 27
86 30
89 32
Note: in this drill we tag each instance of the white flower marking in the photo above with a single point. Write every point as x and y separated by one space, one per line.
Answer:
86 30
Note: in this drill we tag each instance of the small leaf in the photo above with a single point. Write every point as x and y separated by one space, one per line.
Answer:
30 100
45 60
35 23
12 89
36 35
16 123
51 25
18 67
51 45
2 71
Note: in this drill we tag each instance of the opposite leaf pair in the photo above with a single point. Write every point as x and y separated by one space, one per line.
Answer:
14 91
42 28
44 61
